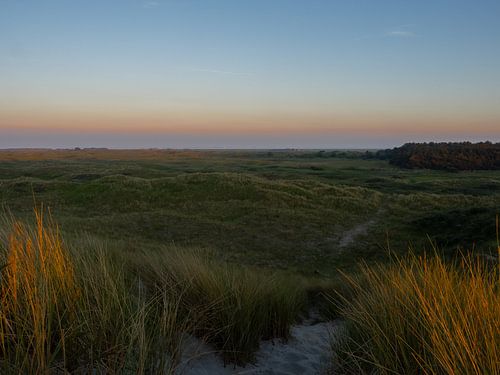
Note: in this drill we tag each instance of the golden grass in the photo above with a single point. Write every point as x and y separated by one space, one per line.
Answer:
423 315
38 294
76 311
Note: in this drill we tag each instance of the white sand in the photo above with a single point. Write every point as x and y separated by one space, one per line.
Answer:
307 352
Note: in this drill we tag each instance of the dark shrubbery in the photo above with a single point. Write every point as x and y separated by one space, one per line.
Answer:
448 156
458 228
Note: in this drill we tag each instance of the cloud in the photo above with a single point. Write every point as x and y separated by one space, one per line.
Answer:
400 31
400 34
216 71
150 4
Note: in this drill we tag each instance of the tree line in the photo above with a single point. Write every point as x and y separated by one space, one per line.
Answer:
444 155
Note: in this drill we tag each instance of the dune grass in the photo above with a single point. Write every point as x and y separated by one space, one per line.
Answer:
234 307
83 307
122 329
422 315
38 293
67 311
79 307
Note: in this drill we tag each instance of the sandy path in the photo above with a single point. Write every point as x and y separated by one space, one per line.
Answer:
350 236
307 352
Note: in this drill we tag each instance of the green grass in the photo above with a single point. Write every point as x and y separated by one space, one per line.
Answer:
278 209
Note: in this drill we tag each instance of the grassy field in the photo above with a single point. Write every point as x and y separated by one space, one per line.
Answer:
234 247
293 210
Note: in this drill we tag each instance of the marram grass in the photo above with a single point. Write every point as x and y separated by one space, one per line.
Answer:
84 309
80 308
76 310
38 293
423 315
234 307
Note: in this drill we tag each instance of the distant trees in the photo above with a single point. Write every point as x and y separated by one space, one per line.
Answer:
453 156
448 156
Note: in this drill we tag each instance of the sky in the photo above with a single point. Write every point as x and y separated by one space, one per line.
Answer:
248 73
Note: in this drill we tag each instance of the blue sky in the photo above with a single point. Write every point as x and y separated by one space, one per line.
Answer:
196 73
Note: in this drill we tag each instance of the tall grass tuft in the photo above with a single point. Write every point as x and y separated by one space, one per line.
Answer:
423 315
38 294
77 307
77 310
234 308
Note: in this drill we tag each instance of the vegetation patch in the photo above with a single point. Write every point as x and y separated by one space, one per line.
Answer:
234 307
422 315
83 307
453 156
459 228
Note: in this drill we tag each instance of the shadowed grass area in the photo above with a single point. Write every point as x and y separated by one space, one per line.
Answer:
422 315
234 307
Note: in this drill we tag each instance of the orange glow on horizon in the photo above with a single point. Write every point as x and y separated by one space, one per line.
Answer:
216 123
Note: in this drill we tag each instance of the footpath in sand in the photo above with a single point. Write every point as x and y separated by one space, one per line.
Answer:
307 352
361 229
